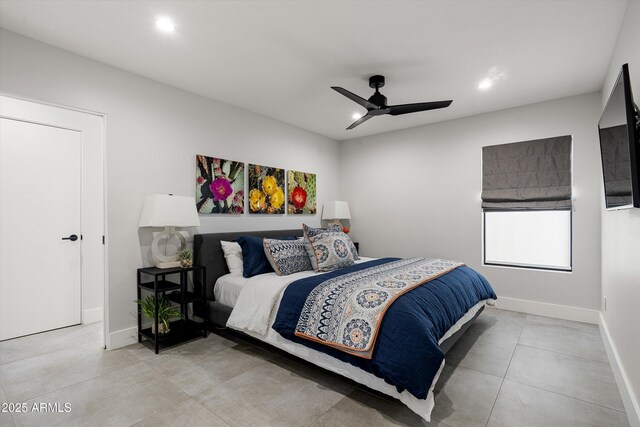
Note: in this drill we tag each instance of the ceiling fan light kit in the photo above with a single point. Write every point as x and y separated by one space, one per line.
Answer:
376 105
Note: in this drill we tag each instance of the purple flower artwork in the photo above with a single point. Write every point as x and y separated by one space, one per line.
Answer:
219 185
221 189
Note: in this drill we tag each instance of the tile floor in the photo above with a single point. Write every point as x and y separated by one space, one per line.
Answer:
509 369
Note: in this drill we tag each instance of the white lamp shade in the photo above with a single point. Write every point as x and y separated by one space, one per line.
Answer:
163 210
336 210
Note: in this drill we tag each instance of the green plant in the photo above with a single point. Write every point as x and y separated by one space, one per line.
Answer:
184 254
166 311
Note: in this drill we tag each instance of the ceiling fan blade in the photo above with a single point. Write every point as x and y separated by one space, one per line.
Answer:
355 98
360 121
396 110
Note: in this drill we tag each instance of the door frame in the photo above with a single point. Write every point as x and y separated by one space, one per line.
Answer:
98 173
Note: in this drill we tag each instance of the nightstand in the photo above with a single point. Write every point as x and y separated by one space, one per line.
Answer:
172 282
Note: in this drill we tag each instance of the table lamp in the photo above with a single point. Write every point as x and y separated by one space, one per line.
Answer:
335 211
168 211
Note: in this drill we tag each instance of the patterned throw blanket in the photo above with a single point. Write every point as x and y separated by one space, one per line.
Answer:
345 312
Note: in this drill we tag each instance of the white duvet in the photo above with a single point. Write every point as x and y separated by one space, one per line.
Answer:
255 312
258 300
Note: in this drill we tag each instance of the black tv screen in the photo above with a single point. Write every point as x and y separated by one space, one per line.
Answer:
619 146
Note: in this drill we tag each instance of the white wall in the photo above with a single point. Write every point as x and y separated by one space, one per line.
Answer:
621 230
416 192
154 132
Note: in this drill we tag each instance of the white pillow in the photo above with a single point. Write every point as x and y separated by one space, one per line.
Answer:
233 255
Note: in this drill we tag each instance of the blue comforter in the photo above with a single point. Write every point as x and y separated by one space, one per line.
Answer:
406 354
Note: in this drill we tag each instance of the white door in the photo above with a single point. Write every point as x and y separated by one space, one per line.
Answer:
40 204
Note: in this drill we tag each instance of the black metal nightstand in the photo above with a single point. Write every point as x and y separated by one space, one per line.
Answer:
180 330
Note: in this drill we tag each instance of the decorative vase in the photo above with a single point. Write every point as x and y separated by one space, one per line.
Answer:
162 329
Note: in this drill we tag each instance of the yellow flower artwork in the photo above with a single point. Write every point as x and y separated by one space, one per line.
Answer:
266 190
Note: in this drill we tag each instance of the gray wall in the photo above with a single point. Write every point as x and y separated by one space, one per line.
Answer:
154 132
416 192
621 229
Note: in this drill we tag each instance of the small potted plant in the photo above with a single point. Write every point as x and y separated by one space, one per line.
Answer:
166 312
184 256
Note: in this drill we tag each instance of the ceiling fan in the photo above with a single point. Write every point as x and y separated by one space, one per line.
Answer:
377 104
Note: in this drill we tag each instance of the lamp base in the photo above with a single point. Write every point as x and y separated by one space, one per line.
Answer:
172 264
336 222
163 260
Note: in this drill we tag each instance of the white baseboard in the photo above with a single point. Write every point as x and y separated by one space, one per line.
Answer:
122 338
626 392
92 315
549 310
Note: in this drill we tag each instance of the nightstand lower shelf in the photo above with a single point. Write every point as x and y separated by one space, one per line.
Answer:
180 331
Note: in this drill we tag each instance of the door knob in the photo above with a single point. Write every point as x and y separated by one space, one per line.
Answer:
73 238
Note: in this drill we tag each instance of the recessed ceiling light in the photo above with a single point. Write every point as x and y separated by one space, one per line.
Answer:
494 76
165 25
356 116
485 84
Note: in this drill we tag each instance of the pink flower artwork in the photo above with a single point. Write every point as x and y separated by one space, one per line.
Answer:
219 185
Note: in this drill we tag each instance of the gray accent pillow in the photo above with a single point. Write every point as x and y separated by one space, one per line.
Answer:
329 249
286 256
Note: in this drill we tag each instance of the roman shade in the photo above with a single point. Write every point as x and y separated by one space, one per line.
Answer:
527 175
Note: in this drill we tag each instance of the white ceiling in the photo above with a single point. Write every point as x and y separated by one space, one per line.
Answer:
279 58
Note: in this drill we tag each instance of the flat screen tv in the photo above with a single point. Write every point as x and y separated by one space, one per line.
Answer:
619 131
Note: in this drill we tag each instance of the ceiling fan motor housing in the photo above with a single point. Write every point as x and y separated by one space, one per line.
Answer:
377 98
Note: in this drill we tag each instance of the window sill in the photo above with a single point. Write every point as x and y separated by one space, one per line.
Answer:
529 268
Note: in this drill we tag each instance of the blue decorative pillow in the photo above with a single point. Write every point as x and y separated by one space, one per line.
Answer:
329 249
254 260
287 256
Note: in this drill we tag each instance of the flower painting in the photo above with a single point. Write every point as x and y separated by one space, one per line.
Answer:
301 188
219 185
266 190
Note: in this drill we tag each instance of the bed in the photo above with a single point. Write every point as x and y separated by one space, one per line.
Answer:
253 307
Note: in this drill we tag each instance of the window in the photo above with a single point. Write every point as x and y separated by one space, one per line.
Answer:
526 202
536 239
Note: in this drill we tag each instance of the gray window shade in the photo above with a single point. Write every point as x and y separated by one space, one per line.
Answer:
527 175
